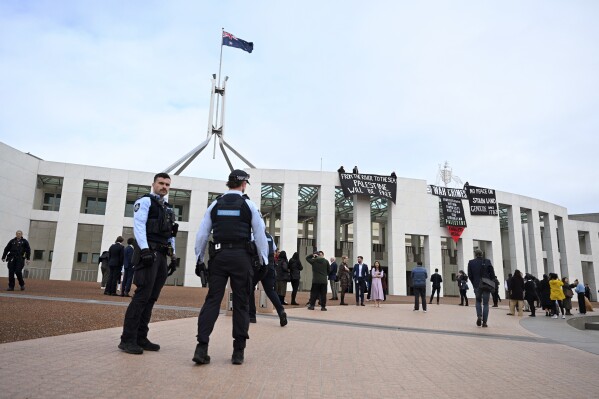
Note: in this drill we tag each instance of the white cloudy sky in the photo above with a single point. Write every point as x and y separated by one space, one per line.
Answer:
506 91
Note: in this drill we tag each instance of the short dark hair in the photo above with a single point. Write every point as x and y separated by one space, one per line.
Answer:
419 263
234 184
130 240
161 175
436 270
119 239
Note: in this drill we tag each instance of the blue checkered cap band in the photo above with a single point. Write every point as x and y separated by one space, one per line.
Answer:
239 175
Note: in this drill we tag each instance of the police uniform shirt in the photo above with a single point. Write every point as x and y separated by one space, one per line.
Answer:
140 217
257 225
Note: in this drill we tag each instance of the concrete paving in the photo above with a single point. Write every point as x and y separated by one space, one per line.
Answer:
366 352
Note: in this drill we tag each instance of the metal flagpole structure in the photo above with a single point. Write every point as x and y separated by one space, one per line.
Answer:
214 129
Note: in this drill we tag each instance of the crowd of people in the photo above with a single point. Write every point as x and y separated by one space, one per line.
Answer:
243 254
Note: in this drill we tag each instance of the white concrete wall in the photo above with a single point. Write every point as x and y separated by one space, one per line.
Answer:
416 213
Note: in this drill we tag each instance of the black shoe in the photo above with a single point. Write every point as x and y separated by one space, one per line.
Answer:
252 319
283 319
237 357
131 348
485 325
114 294
310 307
478 321
461 304
22 288
323 309
494 306
147 345
106 293
362 304
200 356
294 303
10 289
284 303
343 304
531 315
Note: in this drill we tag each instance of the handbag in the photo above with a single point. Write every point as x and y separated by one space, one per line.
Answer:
486 284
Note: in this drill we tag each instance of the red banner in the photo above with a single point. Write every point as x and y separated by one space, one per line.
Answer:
456 232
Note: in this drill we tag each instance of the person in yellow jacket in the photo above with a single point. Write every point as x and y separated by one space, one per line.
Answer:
556 295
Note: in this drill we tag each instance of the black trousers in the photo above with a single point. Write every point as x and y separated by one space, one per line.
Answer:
149 281
113 279
463 297
127 280
531 305
360 288
15 266
234 264
268 283
294 288
582 306
318 291
438 289
495 297
419 292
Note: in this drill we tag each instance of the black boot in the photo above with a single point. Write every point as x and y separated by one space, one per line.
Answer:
201 354
237 357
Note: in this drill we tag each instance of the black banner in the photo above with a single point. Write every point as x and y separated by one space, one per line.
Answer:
453 212
482 200
371 185
447 192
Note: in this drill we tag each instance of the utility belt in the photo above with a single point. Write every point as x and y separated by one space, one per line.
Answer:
215 247
164 249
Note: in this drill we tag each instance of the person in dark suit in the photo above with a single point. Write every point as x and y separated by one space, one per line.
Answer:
116 257
360 271
128 268
333 279
436 279
478 268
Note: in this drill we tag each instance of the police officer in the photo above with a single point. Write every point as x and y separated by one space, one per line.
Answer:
268 283
17 252
154 228
232 217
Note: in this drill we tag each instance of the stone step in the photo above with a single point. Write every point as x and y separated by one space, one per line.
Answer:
592 326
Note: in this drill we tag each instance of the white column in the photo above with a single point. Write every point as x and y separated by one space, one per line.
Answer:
325 237
396 244
551 243
66 228
433 258
362 231
534 240
116 199
289 214
563 246
465 253
515 239
197 207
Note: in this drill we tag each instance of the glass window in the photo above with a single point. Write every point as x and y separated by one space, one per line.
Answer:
51 202
129 209
94 197
95 258
50 256
38 254
95 206
82 257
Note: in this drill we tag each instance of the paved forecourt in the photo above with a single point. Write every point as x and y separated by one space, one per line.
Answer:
367 352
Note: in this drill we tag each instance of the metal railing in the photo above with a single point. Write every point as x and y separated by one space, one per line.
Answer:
84 275
36 273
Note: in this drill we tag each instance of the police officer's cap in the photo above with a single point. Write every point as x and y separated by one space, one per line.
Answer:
238 175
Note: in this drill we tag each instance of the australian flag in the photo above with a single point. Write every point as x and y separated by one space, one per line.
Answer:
232 41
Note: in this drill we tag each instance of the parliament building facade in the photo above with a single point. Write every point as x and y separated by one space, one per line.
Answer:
72 213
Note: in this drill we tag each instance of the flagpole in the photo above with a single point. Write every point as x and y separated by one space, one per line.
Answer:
220 64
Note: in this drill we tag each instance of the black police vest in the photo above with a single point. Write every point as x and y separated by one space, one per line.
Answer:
231 220
159 227
271 248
